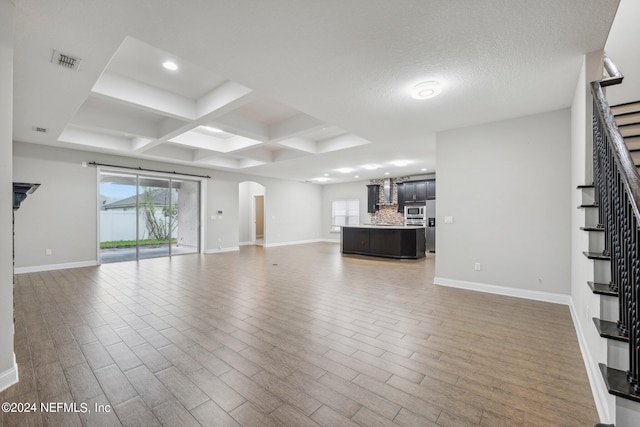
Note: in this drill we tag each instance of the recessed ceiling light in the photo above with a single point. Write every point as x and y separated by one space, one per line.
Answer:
423 169
371 167
400 163
426 90
345 170
386 173
321 179
356 176
326 174
170 65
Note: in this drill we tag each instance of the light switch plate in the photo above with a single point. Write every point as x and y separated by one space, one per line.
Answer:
448 220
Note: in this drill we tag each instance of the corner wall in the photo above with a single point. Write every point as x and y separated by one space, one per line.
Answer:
8 370
507 187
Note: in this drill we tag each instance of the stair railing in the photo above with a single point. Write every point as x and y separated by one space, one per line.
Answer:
617 186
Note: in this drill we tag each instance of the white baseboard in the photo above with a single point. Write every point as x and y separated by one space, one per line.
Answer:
10 376
330 240
598 387
503 290
220 250
295 242
50 267
246 243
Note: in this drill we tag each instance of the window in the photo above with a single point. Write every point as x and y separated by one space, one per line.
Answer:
344 212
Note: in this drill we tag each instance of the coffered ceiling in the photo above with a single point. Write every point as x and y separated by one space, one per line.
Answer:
288 88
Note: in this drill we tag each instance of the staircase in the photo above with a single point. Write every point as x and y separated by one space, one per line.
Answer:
627 117
612 219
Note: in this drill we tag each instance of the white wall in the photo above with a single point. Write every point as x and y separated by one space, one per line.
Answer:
622 48
8 371
293 211
47 221
507 186
584 303
221 195
351 190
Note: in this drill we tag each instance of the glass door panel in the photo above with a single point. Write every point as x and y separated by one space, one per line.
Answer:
118 217
186 226
156 217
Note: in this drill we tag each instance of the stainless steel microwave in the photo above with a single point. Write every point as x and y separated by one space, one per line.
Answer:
414 212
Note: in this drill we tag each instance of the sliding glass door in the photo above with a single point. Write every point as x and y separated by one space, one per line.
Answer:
144 216
157 215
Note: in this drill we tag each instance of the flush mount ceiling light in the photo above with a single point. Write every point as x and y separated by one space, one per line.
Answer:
170 65
321 179
426 90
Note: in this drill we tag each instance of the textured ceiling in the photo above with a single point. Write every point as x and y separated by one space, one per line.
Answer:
299 87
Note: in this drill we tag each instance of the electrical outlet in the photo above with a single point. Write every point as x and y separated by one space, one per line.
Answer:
47 252
478 266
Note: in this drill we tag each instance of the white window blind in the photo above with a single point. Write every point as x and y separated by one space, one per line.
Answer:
344 212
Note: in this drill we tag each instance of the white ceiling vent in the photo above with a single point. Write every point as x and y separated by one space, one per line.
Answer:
66 61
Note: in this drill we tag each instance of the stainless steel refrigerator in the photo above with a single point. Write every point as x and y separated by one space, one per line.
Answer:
430 217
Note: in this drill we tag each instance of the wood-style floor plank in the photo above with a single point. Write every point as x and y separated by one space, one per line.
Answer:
289 336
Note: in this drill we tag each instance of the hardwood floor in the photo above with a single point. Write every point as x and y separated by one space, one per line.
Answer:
293 336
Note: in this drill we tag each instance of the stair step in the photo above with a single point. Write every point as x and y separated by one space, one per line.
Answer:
627 118
580 187
630 130
589 205
629 107
603 289
597 255
617 384
632 143
592 228
635 156
609 330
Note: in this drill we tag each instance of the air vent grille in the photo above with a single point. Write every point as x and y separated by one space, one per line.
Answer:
66 61
39 129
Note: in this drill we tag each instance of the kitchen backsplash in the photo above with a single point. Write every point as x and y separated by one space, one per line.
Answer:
388 214
393 197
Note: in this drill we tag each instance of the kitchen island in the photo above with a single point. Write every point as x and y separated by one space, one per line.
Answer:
390 241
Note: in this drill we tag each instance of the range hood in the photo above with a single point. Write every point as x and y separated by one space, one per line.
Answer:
386 192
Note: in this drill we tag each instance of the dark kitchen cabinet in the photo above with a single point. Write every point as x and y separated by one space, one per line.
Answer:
355 240
400 191
372 197
431 189
390 242
415 191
